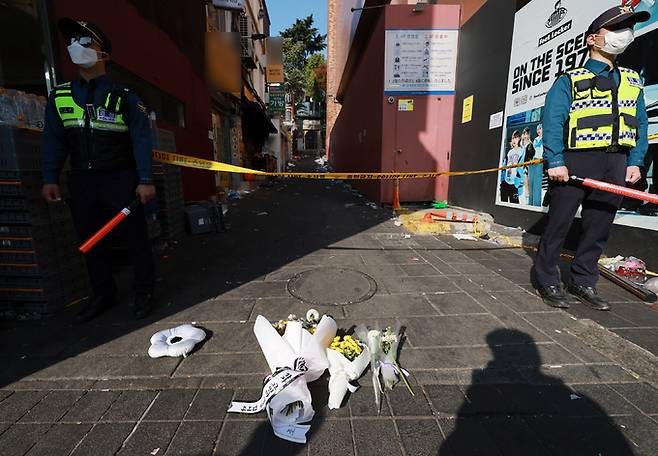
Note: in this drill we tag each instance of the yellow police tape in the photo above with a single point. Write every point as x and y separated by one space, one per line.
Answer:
210 165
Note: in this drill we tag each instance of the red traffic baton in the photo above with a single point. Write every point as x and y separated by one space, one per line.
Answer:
616 189
109 226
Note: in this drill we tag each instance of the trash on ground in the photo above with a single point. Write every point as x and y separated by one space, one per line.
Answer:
406 236
397 223
464 237
349 205
652 284
262 213
574 397
439 205
155 451
175 342
372 205
632 268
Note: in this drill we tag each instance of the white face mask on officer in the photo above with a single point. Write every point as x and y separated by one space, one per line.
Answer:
617 41
86 57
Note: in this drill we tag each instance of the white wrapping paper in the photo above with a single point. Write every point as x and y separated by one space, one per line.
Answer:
295 358
342 371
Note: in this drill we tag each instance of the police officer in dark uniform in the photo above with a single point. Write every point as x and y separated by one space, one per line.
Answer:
104 128
595 125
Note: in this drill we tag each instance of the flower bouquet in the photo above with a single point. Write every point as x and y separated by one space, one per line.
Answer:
348 358
295 358
383 347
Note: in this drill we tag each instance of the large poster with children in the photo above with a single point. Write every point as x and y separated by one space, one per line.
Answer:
549 38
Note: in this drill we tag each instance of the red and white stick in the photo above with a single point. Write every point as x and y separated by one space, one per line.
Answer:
616 189
109 226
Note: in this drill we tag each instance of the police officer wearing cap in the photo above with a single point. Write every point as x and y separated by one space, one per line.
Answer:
595 125
104 129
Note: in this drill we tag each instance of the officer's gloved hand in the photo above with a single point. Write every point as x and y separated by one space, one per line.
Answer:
51 193
559 174
146 192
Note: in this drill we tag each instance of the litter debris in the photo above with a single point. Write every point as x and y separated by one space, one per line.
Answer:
175 342
652 284
406 236
262 213
439 205
465 237
397 223
372 205
349 205
236 194
574 397
632 268
155 451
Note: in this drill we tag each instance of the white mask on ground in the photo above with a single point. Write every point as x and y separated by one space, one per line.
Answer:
83 56
616 42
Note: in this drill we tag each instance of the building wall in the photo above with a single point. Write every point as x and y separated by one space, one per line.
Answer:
356 139
146 51
369 130
420 140
259 25
341 25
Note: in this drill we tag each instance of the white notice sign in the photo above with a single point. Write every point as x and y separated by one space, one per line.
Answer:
496 120
421 62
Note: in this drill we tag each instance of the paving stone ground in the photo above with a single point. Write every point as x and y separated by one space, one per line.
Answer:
495 371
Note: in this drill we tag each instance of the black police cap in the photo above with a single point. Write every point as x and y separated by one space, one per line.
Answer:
617 15
71 28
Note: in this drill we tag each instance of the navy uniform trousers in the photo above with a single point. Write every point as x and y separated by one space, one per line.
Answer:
96 197
598 214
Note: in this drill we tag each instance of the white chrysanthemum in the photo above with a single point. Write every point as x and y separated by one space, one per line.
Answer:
312 316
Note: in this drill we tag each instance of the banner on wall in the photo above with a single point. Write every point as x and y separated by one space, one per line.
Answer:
549 38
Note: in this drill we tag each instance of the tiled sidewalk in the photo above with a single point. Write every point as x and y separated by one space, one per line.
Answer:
495 371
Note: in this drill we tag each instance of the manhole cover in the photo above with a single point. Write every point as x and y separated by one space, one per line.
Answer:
332 286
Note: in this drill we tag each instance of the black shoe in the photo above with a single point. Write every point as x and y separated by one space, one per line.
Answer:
143 305
554 296
649 209
94 308
589 296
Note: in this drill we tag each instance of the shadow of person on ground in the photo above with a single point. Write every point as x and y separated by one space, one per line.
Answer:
512 410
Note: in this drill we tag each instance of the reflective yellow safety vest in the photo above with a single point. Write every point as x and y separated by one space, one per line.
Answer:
96 137
602 115
104 118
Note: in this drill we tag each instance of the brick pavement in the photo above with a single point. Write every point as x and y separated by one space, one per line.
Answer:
495 371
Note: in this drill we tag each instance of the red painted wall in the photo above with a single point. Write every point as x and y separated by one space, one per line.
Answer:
356 138
146 51
424 136
369 130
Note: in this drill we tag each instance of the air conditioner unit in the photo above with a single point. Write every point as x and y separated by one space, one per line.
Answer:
247 44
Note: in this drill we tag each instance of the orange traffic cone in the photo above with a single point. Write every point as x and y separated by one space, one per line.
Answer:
396 195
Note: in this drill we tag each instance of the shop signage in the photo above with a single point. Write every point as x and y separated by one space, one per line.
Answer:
274 73
496 120
277 102
229 4
548 39
421 62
